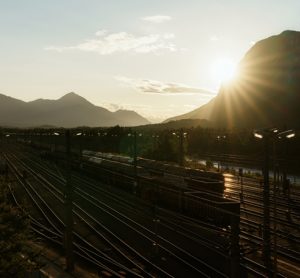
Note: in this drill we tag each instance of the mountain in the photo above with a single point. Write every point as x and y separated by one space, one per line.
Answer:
131 117
203 112
184 123
266 91
71 110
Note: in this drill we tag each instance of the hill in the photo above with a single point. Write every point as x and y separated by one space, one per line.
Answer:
71 110
177 124
201 113
266 91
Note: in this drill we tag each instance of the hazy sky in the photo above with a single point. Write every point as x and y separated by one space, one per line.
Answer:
160 58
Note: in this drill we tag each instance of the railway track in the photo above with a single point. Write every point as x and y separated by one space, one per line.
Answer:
169 248
251 219
287 246
46 210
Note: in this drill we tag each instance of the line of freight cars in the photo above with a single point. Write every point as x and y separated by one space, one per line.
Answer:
193 179
192 192
212 182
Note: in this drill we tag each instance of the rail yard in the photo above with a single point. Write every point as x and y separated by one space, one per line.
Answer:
142 218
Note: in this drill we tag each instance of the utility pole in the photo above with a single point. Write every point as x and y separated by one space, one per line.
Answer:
242 185
266 218
234 246
288 134
266 135
286 181
156 222
181 148
135 153
80 136
275 190
68 208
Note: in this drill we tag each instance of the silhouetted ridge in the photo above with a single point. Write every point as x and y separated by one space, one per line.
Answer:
267 91
71 110
72 97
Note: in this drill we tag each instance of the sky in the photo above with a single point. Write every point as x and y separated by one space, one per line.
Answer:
160 58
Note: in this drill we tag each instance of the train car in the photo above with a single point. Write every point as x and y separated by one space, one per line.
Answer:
193 195
100 171
196 179
208 185
201 205
183 190
210 207
108 156
179 170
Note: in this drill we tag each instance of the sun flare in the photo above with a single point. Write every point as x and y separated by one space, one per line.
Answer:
223 70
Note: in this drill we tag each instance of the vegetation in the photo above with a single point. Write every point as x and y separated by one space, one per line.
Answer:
209 164
158 142
17 256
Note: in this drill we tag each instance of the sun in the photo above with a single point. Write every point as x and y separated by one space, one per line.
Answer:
223 70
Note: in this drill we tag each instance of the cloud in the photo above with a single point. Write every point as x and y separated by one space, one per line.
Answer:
157 18
105 44
190 107
101 33
125 106
110 106
157 87
214 38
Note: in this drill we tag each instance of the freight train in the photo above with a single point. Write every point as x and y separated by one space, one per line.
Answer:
190 178
194 193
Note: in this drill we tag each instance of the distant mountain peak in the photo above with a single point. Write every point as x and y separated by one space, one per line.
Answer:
131 116
5 98
73 98
289 32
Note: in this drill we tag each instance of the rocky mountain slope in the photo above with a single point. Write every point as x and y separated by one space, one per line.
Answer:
266 91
